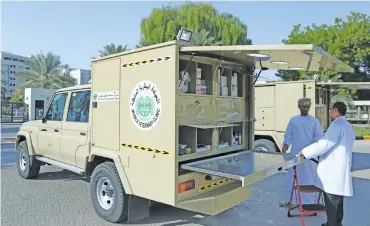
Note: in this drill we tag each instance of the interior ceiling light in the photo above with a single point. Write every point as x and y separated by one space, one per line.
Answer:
297 68
279 62
257 55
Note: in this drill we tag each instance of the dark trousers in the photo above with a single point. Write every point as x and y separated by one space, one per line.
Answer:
334 209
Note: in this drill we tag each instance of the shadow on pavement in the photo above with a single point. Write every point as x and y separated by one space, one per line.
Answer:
61 175
166 215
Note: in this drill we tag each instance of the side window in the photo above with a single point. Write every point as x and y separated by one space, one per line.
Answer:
79 106
56 109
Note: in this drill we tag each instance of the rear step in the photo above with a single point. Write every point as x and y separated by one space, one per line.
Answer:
313 207
61 165
308 188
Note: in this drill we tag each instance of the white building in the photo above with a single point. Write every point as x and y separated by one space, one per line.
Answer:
10 65
83 76
38 100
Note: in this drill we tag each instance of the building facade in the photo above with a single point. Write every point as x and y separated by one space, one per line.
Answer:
82 76
10 65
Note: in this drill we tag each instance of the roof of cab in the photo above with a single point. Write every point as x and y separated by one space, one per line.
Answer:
87 86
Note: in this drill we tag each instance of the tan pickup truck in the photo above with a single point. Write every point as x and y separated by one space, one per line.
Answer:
169 123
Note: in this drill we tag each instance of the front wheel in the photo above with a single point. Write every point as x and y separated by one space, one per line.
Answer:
108 196
264 145
24 167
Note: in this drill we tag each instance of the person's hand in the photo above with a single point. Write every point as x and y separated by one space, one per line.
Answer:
300 153
285 148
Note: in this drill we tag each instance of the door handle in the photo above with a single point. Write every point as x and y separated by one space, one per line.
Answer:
43 130
56 130
83 134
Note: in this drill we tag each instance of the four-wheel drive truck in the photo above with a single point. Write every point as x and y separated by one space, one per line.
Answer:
277 102
168 123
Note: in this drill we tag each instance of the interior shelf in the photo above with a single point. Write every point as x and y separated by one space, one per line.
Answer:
224 137
198 78
187 140
194 140
237 135
230 82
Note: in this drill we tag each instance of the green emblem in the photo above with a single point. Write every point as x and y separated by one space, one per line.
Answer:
145 107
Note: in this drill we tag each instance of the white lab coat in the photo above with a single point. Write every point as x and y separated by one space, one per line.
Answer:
335 163
300 133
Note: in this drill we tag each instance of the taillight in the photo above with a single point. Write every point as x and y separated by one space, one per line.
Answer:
186 186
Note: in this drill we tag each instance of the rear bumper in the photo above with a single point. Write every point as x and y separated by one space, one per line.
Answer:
218 200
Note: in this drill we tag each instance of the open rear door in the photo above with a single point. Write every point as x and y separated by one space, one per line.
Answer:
345 85
283 57
247 166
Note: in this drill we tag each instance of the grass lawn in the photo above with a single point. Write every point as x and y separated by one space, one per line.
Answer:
362 131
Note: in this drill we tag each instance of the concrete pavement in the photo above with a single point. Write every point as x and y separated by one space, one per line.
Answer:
58 197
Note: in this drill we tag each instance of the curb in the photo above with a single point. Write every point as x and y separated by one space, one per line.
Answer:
362 138
8 140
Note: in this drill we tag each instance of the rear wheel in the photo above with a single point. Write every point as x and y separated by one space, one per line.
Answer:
264 145
108 196
24 167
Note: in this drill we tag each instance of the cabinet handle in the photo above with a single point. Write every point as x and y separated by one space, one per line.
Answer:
43 130
83 134
56 130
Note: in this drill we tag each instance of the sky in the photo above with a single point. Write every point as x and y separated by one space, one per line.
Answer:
76 31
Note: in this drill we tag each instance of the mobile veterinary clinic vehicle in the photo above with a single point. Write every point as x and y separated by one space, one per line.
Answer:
169 123
277 102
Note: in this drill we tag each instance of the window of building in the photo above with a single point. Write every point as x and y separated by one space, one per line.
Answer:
27 68
7 58
79 107
21 61
15 59
56 109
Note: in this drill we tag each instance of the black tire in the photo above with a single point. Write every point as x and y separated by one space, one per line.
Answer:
265 145
26 170
119 210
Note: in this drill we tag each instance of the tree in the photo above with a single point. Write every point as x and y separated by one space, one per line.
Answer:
112 49
163 24
203 38
46 71
348 40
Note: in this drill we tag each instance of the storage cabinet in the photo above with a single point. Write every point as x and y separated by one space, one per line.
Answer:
211 108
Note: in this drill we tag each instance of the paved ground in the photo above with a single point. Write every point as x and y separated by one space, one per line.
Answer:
59 197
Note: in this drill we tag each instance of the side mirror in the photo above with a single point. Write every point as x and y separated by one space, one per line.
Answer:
43 120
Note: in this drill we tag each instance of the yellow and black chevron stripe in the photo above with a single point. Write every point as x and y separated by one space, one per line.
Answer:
214 184
141 148
153 60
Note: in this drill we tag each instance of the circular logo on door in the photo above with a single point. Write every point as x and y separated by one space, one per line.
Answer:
145 105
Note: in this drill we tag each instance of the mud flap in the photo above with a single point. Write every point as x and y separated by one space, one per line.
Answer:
138 208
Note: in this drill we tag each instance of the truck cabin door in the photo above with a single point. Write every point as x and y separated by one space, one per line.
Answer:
49 131
74 136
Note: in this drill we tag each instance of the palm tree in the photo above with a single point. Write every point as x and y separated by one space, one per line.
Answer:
203 38
46 71
112 49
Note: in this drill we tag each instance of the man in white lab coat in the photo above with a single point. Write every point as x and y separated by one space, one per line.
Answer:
302 130
334 169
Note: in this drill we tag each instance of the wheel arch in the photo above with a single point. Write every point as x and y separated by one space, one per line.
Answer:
100 155
25 136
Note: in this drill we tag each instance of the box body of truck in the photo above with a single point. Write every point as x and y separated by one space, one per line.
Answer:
159 130
277 102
